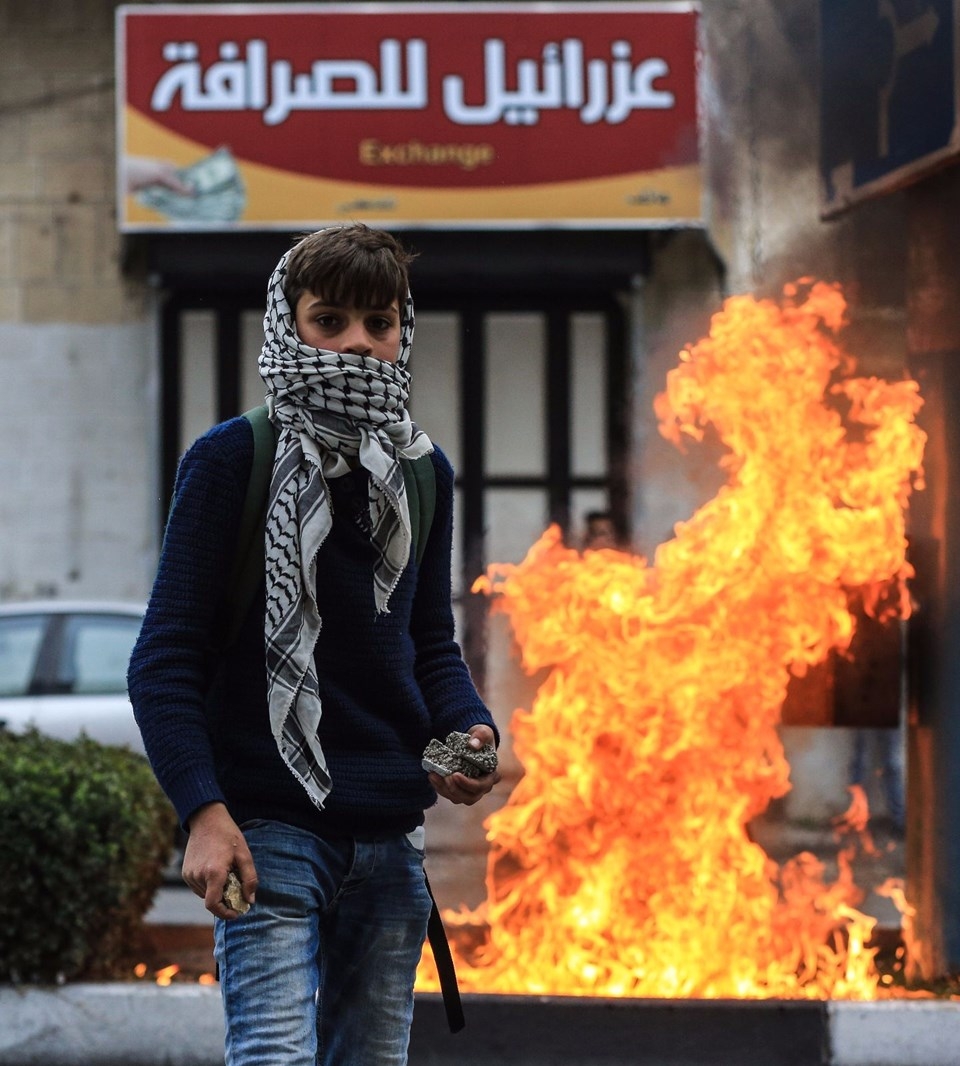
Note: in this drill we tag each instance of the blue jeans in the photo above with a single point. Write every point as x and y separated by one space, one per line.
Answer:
320 971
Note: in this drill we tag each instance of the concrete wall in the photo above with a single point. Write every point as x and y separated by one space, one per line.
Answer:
76 349
76 460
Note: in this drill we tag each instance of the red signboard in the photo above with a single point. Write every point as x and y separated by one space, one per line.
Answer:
267 116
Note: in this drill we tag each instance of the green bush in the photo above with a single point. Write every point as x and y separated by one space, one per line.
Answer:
84 835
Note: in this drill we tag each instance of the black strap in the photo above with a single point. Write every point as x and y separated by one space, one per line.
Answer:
449 988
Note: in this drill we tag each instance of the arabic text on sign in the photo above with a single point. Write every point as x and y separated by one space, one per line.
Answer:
599 90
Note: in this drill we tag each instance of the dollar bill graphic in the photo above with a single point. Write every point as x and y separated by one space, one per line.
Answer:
219 194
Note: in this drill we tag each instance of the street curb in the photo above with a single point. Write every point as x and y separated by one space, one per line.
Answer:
111 1024
895 1033
130 1024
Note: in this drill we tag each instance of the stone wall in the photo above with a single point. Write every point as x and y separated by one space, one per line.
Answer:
76 342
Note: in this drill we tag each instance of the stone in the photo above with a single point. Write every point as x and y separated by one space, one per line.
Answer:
233 894
456 756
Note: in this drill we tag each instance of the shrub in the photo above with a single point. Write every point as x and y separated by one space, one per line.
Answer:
84 834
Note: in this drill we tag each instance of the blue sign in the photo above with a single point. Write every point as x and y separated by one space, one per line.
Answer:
888 95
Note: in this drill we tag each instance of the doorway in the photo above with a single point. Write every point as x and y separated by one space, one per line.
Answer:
528 395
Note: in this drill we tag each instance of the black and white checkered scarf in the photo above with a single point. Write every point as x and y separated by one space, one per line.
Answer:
331 411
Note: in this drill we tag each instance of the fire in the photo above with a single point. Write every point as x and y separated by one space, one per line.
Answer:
622 864
166 974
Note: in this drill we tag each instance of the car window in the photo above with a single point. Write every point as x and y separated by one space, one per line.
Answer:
20 640
96 650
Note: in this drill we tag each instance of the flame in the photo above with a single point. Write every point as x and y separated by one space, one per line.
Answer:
166 975
622 863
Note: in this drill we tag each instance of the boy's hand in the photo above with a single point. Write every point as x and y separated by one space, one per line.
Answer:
458 788
214 848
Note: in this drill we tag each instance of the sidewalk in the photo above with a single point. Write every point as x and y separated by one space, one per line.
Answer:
119 1024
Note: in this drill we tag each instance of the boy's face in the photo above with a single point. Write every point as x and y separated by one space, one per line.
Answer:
358 330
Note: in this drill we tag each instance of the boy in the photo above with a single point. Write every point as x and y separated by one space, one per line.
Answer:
293 756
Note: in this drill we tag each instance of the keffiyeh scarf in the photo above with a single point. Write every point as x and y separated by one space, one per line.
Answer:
331 411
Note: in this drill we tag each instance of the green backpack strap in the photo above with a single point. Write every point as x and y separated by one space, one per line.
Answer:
248 563
419 478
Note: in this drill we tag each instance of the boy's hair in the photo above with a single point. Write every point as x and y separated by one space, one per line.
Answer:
349 265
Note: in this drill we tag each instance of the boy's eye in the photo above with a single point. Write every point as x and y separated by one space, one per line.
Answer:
327 321
380 324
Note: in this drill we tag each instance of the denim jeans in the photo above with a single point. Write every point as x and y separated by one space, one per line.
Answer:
320 971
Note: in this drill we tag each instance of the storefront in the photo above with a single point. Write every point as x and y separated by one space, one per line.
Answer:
526 152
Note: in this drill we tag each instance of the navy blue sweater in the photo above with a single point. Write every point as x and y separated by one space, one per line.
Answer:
388 682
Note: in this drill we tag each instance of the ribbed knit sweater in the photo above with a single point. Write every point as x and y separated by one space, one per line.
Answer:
388 683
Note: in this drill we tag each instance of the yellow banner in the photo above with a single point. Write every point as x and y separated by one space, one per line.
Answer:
277 199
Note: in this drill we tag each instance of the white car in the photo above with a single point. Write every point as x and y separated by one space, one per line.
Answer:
63 669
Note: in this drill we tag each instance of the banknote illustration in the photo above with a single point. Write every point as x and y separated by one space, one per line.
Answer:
218 191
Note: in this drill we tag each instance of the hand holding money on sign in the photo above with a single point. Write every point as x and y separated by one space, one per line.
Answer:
210 190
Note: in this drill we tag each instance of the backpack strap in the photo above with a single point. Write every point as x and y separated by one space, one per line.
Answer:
420 481
248 564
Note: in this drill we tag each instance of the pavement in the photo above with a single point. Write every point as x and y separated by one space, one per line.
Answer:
122 1024
143 1024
